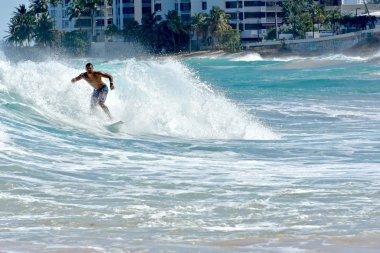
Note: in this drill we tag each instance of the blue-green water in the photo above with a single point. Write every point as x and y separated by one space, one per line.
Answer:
229 154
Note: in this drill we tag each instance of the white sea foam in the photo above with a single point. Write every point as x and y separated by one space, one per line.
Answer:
252 57
341 57
166 98
153 97
4 138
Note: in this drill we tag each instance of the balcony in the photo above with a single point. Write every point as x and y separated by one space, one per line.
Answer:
271 20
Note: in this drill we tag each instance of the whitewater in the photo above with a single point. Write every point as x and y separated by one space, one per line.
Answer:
235 153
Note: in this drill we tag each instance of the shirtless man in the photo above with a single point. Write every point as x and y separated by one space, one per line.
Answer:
94 78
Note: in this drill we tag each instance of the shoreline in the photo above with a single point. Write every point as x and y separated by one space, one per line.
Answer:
367 47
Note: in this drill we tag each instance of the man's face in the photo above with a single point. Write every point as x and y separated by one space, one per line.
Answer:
89 68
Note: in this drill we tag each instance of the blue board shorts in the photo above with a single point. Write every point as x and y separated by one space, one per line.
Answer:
99 95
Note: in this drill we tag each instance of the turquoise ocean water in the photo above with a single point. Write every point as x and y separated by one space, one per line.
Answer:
226 154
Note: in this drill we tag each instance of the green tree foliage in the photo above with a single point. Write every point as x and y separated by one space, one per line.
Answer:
34 23
172 34
358 22
39 6
44 33
332 20
271 34
199 26
177 30
148 31
131 30
231 40
218 24
76 42
55 2
111 30
21 27
298 16
86 8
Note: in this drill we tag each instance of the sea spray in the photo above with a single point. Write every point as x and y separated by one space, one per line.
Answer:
167 98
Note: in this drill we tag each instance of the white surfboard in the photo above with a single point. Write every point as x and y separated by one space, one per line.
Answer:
114 127
117 123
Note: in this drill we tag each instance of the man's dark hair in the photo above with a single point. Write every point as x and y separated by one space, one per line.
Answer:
89 64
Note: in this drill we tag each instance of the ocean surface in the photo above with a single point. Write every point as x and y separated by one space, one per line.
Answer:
234 153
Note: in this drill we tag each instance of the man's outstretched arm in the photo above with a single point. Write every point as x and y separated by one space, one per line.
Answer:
77 78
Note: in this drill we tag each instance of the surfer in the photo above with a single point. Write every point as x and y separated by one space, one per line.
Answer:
99 95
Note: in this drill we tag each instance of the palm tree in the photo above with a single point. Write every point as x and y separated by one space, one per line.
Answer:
44 34
174 24
199 25
332 19
163 37
298 16
86 7
55 2
218 23
130 30
21 27
147 29
21 10
39 6
111 30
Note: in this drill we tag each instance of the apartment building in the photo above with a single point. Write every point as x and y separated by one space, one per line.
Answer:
124 10
349 2
61 15
254 18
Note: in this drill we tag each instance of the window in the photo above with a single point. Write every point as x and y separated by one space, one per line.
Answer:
146 10
234 26
185 17
127 20
128 10
230 5
253 26
65 13
83 23
233 15
99 22
65 24
204 5
254 14
253 3
157 7
185 6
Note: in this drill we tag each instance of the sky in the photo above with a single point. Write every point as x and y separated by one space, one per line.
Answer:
7 7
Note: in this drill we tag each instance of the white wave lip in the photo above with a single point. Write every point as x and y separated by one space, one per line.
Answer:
248 58
166 98
152 97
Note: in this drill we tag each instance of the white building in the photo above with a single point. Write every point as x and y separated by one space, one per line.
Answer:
350 2
124 10
61 15
253 17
